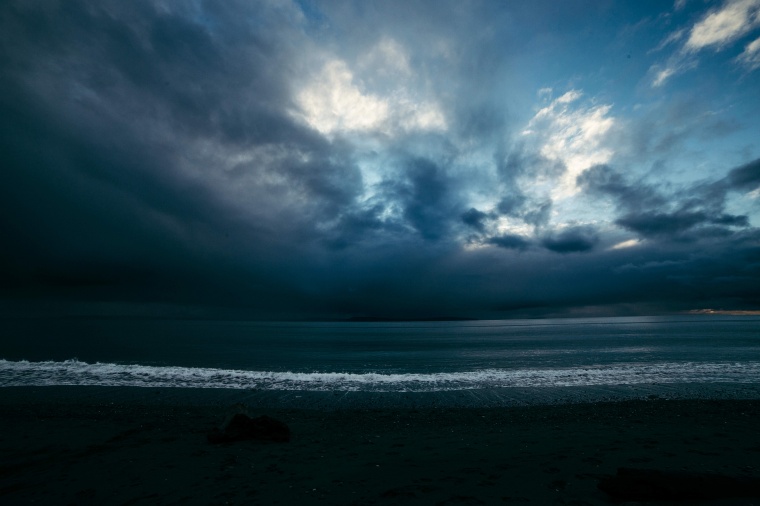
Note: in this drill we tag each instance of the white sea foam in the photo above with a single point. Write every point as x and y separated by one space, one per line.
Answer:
74 372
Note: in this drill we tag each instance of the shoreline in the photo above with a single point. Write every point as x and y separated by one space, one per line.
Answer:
67 445
358 400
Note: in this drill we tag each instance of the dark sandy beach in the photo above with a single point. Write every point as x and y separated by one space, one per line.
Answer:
62 449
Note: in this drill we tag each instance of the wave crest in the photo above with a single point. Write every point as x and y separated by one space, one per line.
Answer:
75 372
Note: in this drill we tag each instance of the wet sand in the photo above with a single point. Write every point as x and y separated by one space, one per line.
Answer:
57 448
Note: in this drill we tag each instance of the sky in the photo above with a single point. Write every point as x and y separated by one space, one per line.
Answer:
319 160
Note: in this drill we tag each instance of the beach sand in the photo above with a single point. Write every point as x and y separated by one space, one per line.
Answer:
56 448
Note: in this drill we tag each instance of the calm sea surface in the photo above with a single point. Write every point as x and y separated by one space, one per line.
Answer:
424 356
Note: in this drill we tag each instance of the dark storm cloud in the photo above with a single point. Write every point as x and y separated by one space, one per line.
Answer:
102 106
686 213
650 278
534 212
731 220
523 162
654 224
510 241
426 197
538 214
577 239
571 240
746 177
475 219
119 120
354 227
673 224
603 180
512 203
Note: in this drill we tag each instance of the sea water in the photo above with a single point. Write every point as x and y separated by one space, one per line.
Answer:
383 357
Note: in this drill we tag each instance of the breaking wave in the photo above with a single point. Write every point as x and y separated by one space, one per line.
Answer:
74 372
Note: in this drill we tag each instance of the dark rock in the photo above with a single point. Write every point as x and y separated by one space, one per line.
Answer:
657 485
241 427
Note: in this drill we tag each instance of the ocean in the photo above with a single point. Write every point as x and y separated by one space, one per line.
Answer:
520 359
